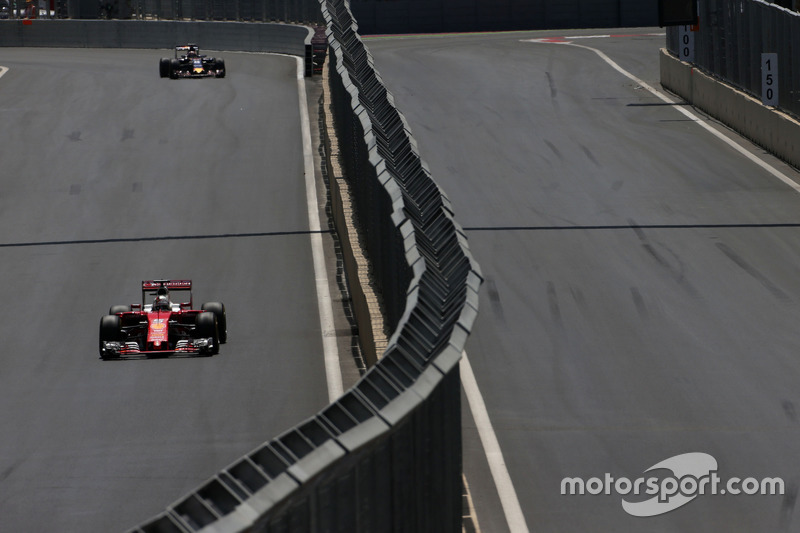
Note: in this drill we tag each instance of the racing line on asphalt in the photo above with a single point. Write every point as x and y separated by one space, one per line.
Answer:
160 238
333 371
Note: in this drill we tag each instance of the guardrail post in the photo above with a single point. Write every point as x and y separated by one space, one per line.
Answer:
309 60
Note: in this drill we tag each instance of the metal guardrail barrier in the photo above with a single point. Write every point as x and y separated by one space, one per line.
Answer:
731 37
386 456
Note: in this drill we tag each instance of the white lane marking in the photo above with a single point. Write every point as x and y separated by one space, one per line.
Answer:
718 134
3 70
333 371
564 38
491 447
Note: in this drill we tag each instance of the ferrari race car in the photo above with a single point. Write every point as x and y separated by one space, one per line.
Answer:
188 63
160 326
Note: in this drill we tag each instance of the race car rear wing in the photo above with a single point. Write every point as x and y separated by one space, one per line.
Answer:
153 286
187 48
170 284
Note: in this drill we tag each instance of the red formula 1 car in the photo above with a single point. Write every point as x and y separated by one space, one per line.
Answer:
189 63
160 326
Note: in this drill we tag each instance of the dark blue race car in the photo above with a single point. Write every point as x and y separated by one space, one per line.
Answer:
189 63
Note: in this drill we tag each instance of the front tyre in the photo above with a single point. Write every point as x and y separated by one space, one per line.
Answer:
110 331
163 67
222 322
220 68
206 328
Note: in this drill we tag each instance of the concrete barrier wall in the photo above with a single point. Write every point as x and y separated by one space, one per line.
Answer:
768 127
235 36
366 305
730 37
676 76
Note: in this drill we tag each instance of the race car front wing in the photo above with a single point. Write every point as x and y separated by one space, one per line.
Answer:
187 346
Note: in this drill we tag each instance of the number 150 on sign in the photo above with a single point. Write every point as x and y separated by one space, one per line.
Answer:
769 79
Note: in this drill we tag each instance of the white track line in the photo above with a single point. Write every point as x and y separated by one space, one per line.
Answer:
333 371
3 70
718 134
491 447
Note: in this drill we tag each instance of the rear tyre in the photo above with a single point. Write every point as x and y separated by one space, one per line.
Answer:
110 331
119 309
163 67
222 322
174 67
206 327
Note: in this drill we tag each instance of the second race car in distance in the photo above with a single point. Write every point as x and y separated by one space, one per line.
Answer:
189 63
164 326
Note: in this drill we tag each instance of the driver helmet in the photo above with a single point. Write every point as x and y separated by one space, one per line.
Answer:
161 304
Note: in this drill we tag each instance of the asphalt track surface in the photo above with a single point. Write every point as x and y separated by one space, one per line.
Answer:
642 285
110 175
